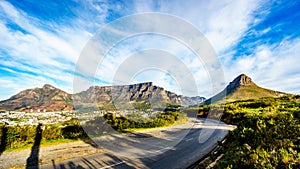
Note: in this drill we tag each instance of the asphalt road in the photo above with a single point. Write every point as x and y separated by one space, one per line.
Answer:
176 147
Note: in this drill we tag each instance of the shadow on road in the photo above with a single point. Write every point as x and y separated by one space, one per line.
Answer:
89 141
33 160
96 162
3 139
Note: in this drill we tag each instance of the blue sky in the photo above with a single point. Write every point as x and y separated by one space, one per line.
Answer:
41 41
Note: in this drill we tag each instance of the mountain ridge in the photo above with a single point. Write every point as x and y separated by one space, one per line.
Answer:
50 98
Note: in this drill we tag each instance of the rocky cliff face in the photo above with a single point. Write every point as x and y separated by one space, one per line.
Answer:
241 80
49 98
142 92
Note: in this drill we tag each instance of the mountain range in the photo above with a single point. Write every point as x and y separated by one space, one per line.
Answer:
49 98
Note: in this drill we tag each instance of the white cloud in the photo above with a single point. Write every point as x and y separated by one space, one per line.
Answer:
130 47
228 23
222 22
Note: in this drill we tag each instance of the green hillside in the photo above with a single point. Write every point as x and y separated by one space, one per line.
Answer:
251 92
267 133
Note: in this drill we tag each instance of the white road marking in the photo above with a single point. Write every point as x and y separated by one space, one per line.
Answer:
113 165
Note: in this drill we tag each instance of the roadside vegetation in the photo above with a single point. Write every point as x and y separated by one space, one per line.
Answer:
267 134
16 137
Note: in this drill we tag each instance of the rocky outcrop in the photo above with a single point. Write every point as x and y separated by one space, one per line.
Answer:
241 80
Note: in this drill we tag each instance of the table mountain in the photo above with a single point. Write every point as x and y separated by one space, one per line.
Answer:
129 96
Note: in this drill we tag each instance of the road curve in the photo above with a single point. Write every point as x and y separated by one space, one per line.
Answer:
176 147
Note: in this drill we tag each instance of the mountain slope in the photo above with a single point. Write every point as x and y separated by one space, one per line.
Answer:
243 88
49 98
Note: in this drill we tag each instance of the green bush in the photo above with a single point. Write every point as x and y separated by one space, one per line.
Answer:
267 136
138 121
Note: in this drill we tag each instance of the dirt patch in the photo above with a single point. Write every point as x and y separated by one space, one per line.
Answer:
17 159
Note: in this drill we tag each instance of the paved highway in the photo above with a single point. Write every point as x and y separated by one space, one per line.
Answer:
175 147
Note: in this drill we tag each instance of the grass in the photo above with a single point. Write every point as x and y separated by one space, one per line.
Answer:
250 92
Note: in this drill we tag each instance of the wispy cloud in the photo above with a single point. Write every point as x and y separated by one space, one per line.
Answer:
271 66
223 23
35 53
